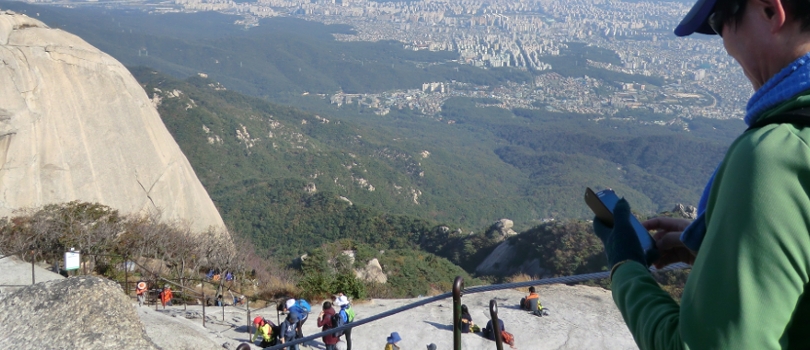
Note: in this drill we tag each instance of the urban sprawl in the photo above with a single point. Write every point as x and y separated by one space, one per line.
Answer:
699 78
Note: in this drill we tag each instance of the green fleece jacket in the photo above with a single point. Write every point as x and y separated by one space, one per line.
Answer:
747 288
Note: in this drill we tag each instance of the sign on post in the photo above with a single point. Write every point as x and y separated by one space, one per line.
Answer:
72 260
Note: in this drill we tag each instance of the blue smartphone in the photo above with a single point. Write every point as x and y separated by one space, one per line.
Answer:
602 204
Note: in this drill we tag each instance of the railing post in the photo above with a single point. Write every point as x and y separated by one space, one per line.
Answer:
249 321
33 279
496 326
203 303
126 277
183 290
458 285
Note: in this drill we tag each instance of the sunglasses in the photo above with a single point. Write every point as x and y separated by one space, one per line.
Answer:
719 18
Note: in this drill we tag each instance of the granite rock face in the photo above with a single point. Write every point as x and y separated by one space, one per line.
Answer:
76 125
373 272
501 263
75 313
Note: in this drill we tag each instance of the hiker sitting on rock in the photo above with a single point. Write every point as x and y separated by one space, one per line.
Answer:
506 337
532 303
525 303
467 324
489 332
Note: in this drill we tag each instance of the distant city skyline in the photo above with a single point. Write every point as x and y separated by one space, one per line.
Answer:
702 79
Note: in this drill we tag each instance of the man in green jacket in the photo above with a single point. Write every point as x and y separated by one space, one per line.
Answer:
750 245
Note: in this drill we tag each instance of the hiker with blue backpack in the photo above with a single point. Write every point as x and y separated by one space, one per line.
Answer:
301 309
325 322
346 314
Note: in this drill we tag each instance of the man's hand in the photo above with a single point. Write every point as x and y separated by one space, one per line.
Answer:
621 243
668 240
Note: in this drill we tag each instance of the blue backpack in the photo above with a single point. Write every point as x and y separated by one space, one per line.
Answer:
304 305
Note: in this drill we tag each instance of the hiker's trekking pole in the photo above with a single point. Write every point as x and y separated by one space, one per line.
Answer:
458 285
496 326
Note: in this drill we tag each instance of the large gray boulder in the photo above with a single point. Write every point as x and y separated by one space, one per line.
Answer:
76 313
501 229
373 272
76 125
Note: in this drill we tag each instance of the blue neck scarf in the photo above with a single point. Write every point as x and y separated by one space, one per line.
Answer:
789 82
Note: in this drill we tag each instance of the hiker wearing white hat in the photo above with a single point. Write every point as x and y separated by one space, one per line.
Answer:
140 291
347 313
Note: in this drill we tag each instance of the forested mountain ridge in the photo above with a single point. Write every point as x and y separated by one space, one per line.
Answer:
293 180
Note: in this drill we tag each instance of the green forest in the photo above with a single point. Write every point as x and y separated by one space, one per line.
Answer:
288 181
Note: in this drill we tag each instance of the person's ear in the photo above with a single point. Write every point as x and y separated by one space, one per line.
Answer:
771 11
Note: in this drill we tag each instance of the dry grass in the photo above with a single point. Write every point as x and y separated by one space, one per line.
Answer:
521 277
277 288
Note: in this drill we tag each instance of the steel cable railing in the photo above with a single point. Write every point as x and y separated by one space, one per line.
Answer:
471 290
562 280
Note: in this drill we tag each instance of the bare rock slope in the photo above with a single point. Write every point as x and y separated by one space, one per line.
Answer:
75 313
76 125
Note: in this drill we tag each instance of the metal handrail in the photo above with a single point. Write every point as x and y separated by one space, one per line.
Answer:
471 290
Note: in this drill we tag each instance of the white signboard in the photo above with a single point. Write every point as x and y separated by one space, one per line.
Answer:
72 260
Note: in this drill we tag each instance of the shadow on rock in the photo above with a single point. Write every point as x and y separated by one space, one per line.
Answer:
440 326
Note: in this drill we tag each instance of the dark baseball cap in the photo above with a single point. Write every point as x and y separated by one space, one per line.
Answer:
697 20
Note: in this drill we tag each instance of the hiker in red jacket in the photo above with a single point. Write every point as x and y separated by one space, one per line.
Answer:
325 321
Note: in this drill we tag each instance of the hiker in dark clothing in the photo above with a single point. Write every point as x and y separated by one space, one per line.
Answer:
288 331
466 320
489 332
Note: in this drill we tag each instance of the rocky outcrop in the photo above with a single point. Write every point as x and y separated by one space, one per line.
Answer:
75 313
686 211
501 229
75 125
373 272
